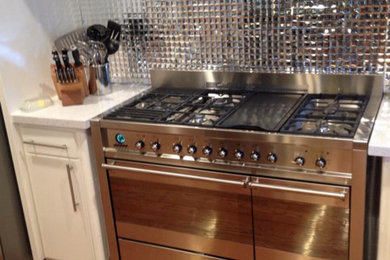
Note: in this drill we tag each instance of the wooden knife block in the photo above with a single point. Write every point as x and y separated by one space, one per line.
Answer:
71 93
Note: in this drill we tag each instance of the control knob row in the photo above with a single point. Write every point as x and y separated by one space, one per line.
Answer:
255 156
320 162
178 147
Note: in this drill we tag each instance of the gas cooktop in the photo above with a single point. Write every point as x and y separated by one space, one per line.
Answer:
310 114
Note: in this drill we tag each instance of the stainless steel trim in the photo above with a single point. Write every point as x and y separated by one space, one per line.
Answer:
74 204
307 82
46 145
340 195
172 174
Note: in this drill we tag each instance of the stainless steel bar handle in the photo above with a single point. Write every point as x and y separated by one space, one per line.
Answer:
68 169
340 195
172 174
46 145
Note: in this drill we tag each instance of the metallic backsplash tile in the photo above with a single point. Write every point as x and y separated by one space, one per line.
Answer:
318 36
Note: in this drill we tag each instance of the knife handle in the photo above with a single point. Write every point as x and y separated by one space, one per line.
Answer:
76 57
65 58
56 59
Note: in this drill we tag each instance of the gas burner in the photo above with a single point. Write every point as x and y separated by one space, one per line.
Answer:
322 127
327 115
202 108
320 114
206 120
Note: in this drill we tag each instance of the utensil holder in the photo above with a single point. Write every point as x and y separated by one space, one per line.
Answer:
72 93
99 80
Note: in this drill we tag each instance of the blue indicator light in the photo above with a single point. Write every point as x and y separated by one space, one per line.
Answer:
120 138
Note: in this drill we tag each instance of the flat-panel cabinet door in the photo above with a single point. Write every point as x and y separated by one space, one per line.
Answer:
55 187
294 220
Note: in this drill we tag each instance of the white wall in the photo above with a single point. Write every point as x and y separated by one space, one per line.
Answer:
28 29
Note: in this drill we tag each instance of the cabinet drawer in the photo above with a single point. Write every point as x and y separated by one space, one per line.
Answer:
49 142
130 250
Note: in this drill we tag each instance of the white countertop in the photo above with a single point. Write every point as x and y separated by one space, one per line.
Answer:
380 139
78 116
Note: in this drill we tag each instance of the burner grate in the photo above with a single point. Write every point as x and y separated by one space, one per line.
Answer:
327 115
205 108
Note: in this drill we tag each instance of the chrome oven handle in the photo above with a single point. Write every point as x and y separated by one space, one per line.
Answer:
340 195
172 174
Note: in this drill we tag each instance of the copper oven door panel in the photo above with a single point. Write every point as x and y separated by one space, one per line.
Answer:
136 250
291 225
197 215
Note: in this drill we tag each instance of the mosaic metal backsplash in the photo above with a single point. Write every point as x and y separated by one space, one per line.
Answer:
318 36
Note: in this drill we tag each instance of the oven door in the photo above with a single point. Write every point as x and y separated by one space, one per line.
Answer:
182 208
294 220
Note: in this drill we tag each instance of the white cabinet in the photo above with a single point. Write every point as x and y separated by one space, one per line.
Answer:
67 223
60 210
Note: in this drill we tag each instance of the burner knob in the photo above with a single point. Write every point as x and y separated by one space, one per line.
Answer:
300 161
192 149
139 145
320 162
272 157
255 156
207 150
155 146
120 138
238 154
177 148
222 153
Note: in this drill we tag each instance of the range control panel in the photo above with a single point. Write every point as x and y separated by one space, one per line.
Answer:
232 151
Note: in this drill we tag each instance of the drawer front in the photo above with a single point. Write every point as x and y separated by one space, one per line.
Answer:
292 225
131 250
49 142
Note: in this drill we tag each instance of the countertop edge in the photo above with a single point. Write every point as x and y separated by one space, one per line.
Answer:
379 144
69 118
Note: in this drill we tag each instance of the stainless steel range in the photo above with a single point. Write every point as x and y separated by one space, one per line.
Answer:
213 165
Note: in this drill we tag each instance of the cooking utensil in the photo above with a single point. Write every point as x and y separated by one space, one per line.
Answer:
85 52
99 52
69 39
114 30
98 32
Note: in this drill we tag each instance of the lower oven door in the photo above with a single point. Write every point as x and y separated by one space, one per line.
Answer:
294 220
181 208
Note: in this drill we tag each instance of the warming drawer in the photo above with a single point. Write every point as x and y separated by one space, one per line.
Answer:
136 250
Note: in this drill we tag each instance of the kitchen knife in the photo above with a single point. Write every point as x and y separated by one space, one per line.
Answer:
76 56
65 58
58 69
69 71
56 59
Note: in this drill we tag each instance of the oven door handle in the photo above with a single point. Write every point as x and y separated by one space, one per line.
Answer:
173 174
341 195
